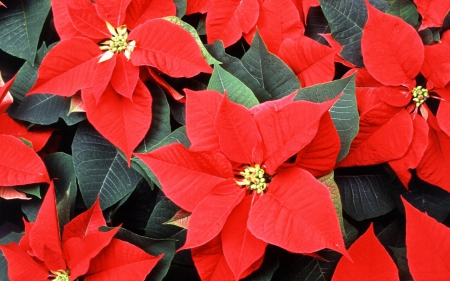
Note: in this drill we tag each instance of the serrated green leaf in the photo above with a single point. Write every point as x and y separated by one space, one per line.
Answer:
21 25
269 70
344 112
222 80
179 135
100 169
347 19
235 67
163 212
365 196
160 127
329 182
406 10
210 59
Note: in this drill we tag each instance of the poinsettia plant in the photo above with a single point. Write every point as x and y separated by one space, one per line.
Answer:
224 140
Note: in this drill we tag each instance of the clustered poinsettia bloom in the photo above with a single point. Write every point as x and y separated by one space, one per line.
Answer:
249 180
82 251
391 101
103 44
19 163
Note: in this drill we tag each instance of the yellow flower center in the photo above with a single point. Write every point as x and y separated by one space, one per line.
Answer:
254 178
419 95
117 43
60 275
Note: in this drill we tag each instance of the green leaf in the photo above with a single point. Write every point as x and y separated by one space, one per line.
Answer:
181 7
235 67
153 247
365 196
344 112
43 109
12 237
60 168
21 25
270 71
160 127
347 19
210 59
329 182
179 135
221 80
268 267
402 263
32 189
100 168
406 10
163 212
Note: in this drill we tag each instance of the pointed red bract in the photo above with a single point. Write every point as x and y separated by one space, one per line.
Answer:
434 167
370 261
432 12
290 209
158 45
312 62
443 116
64 71
121 259
187 177
427 246
205 224
228 19
141 10
62 21
201 110
4 93
125 77
112 11
87 21
375 142
197 6
21 265
391 48
102 76
45 235
240 247
19 164
165 86
126 125
239 137
436 65
278 20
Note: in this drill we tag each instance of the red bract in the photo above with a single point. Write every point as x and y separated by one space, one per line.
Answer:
427 246
432 12
103 45
82 251
388 101
243 185
370 261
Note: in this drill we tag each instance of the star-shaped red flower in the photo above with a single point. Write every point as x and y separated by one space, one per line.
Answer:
248 179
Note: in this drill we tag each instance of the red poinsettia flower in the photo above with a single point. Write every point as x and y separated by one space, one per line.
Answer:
103 44
82 251
248 179
390 101
19 163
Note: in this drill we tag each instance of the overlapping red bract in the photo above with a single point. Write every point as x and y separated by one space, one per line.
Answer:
83 250
74 65
227 136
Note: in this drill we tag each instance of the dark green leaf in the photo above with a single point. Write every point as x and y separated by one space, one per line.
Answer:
100 168
31 189
235 67
402 263
160 127
222 80
347 19
21 25
153 247
406 10
201 28
267 268
344 112
365 196
181 7
12 237
316 24
164 211
270 71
